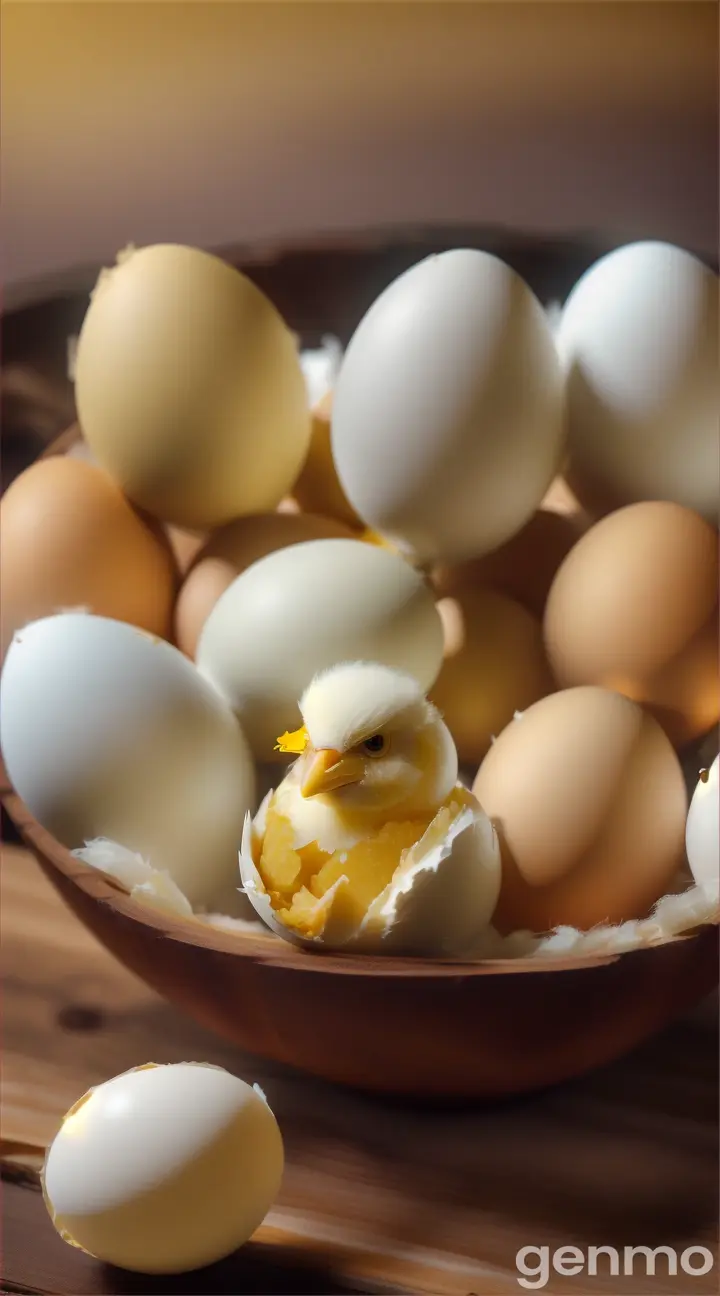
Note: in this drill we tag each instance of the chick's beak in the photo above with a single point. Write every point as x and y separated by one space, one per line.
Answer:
329 770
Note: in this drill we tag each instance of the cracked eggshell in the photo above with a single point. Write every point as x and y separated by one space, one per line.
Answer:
439 901
702 832
108 732
165 1168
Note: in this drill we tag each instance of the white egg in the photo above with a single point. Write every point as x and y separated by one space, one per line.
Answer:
108 732
164 1169
438 903
447 424
702 833
638 340
308 607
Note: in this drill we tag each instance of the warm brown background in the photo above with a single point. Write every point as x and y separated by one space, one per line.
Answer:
221 124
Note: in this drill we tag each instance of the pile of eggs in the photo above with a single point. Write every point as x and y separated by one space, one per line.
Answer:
523 516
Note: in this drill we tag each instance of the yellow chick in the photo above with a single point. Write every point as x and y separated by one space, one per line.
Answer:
376 764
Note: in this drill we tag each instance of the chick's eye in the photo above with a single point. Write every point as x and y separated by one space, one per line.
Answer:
374 746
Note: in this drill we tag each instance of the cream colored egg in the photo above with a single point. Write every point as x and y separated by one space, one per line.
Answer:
638 340
164 1169
702 833
189 388
447 423
589 802
108 732
308 607
69 538
231 550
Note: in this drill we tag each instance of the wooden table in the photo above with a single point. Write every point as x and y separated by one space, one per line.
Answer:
377 1197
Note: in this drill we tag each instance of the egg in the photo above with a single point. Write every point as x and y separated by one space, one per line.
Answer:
69 538
447 421
634 607
702 833
317 489
189 388
437 901
524 567
494 665
589 802
638 341
307 607
230 551
164 1169
108 732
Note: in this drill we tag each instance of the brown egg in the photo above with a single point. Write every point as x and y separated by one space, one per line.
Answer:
589 801
69 538
524 568
317 489
634 607
185 545
494 665
229 551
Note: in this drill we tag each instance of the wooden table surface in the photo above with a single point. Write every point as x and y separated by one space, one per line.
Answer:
377 1197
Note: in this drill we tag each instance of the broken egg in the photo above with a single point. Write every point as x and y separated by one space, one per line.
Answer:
164 1169
424 893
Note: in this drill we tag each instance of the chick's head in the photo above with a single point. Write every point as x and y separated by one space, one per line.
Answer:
374 743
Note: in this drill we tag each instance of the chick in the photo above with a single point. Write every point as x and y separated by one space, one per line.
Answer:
375 765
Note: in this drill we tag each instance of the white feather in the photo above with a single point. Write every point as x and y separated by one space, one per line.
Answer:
353 700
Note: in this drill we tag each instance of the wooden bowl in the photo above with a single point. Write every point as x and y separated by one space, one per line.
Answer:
431 1030
395 1026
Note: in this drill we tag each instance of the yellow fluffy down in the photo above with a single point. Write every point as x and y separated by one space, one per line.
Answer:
297 880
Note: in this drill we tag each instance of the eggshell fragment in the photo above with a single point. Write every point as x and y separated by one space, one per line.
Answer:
108 732
634 607
189 387
589 802
447 423
494 665
70 538
702 833
164 1169
638 341
441 896
308 607
230 551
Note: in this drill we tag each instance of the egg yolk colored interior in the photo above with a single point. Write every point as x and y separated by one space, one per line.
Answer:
297 880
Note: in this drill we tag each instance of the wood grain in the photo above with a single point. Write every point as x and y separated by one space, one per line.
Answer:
377 1195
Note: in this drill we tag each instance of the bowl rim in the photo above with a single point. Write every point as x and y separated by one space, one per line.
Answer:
267 947
270 949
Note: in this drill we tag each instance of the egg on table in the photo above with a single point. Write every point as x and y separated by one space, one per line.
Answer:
447 419
164 1169
494 665
189 387
231 550
588 799
369 843
638 341
702 833
305 608
70 538
634 607
110 733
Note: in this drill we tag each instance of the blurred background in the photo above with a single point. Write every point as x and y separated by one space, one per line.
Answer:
324 147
